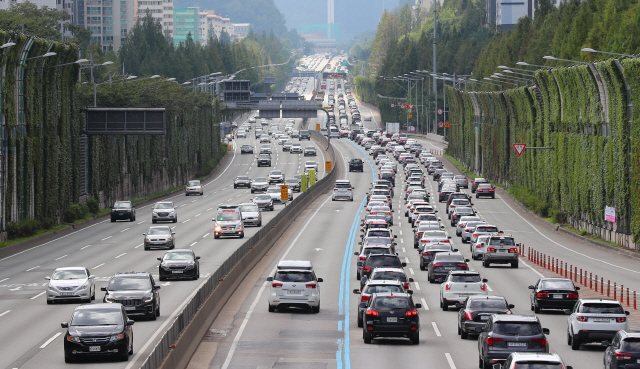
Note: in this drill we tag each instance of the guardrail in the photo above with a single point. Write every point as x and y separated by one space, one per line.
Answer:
181 339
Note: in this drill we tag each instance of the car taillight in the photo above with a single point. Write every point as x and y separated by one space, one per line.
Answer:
366 269
623 355
580 318
415 213
335 189
621 319
468 316
462 265
513 249
542 295
573 296
310 285
445 241
466 230
491 249
362 257
491 190
474 183
541 341
484 287
274 284
412 313
388 213
426 254
406 285
425 241
438 265
491 340
475 235
466 181
364 298
372 312
374 213
447 286
479 246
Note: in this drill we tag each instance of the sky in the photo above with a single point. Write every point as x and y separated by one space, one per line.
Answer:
351 16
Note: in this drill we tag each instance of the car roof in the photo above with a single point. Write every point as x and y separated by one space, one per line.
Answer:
132 274
390 295
295 264
70 268
387 269
606 301
179 250
538 356
486 297
515 318
160 227
105 306
463 272
380 282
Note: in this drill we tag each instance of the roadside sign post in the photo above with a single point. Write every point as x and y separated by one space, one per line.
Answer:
327 166
440 111
317 126
284 192
519 148
440 124
312 177
304 183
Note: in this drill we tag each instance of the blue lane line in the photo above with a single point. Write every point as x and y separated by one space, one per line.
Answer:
345 281
339 354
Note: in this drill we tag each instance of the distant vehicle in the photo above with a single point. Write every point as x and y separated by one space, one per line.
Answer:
123 210
193 187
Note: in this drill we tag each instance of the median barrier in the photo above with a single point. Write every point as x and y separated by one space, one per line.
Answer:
179 342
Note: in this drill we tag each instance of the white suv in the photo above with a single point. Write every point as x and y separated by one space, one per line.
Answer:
595 320
294 285
342 190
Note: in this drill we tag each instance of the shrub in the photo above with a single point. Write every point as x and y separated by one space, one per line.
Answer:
584 233
93 205
23 228
74 212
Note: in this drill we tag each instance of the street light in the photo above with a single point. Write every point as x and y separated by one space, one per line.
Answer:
534 65
520 69
504 80
521 74
91 65
549 57
75 62
489 83
141 79
8 44
514 78
590 50
50 53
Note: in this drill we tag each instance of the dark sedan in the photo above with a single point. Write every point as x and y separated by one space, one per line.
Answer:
429 252
459 213
390 315
293 183
123 210
98 330
355 165
443 263
475 312
373 261
553 293
486 189
476 182
179 264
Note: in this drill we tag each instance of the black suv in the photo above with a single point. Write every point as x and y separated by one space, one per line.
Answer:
123 210
623 350
372 261
504 334
553 293
390 315
264 159
475 312
98 330
355 165
137 291
388 176
304 135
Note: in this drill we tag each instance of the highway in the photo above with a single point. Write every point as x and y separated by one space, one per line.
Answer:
246 335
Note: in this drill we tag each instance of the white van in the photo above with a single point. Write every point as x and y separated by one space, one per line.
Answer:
228 222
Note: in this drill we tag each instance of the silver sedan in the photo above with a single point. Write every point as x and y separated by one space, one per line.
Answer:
72 283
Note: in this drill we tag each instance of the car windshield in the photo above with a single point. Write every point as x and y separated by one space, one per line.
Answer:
242 178
486 229
493 304
557 284
450 258
293 276
313 163
193 183
379 233
470 278
389 275
129 284
382 209
228 215
502 242
309 148
163 205
249 208
538 365
461 202
157 231
386 304
69 274
87 317
631 345
376 251
275 173
390 261
484 186
516 328
263 197
378 241
435 234
178 256
260 179
343 185
122 205
383 289
464 211
600 308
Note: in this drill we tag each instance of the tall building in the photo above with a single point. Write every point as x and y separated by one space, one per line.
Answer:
186 21
108 20
160 10
240 30
5 4
507 12
212 24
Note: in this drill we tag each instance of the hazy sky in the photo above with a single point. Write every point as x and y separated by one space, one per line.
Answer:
351 16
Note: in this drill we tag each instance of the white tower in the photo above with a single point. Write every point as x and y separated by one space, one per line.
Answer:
330 18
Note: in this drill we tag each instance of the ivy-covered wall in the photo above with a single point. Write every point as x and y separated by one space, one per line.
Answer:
595 160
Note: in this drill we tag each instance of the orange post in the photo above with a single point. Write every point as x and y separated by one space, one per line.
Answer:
628 296
608 287
571 272
622 293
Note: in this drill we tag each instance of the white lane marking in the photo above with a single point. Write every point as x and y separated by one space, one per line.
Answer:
30 269
183 205
400 231
404 250
209 209
406 259
450 360
193 244
97 266
186 220
402 240
4 280
50 340
124 253
194 200
435 328
206 235
489 288
139 245
197 215
5 313
16 289
142 222
84 247
126 229
38 295
61 257
106 238
417 285
530 267
234 345
424 304
411 270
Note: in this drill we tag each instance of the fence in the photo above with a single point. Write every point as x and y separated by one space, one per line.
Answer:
179 341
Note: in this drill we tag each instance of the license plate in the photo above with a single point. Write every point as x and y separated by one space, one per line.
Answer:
604 320
638 361
557 296
517 344
502 250
94 348
177 272
484 317
449 268
66 293
127 308
392 319
294 292
118 214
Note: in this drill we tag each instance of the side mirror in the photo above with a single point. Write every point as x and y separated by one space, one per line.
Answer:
197 257
484 280
357 291
66 325
511 306
449 237
395 236
455 250
395 244
47 278
362 305
482 243
359 243
410 292
531 287
360 263
567 311
159 259
92 277
466 260
356 253
173 232
361 236
404 264
545 330
458 305
410 279
156 287
604 343
418 306
393 211
130 322
577 288
144 234
320 280
103 288
626 312
442 227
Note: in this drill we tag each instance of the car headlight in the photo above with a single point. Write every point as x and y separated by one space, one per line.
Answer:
108 298
71 338
239 228
85 285
148 299
218 228
165 267
190 266
51 288
117 337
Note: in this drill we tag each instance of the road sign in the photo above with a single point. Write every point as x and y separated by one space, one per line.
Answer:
327 166
447 125
440 124
312 177
402 106
317 126
284 192
410 115
304 183
519 148
393 105
327 108
409 106
440 111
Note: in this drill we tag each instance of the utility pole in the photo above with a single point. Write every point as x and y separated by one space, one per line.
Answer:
435 42
91 64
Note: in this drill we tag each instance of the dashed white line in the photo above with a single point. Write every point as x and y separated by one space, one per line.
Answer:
206 235
98 266
186 220
411 270
61 257
84 247
197 215
402 240
450 360
38 295
126 229
30 269
424 304
123 254
139 245
50 340
435 328
194 200
5 313
404 250
183 205
4 280
193 244
106 238
489 288
417 285
208 209
142 222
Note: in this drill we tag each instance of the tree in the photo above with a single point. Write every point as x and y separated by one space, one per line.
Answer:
41 22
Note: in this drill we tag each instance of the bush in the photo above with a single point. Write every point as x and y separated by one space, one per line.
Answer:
531 201
23 228
93 205
74 212
584 233
558 216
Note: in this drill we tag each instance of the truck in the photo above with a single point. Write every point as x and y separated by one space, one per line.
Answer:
320 95
393 127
